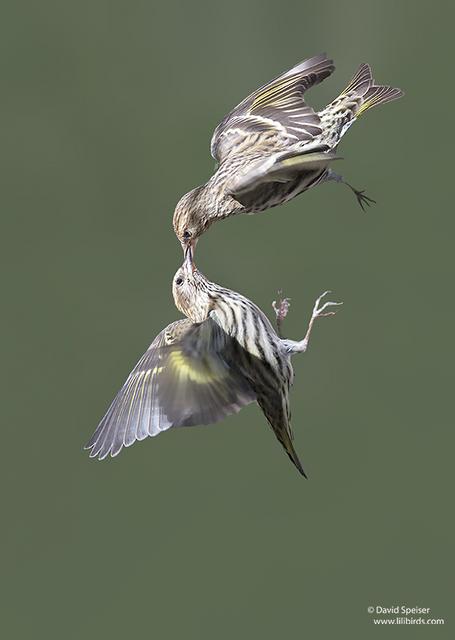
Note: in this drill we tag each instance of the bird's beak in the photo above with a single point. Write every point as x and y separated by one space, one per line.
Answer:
189 257
188 250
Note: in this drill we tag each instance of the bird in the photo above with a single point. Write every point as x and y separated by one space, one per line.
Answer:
223 356
273 146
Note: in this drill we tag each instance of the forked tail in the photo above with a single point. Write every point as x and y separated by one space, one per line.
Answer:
366 93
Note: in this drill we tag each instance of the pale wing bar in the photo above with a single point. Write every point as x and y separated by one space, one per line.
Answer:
277 106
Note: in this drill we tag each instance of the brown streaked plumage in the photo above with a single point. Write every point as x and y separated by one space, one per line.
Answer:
224 356
264 358
273 146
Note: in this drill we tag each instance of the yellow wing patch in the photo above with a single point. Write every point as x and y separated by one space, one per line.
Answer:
202 374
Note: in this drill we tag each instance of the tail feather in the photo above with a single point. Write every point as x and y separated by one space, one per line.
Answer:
286 442
362 86
377 95
295 460
361 81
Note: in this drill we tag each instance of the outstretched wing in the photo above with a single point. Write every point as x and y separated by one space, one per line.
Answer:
277 108
187 376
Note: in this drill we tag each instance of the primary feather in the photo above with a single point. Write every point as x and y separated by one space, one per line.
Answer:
188 376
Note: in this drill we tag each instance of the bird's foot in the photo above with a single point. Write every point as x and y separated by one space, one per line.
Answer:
362 199
281 308
318 312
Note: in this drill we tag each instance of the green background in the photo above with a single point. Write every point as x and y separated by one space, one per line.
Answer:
107 112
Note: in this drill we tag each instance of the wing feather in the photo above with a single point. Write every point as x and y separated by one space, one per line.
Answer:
187 376
277 168
277 107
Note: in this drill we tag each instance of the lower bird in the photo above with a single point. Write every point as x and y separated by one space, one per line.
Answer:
223 356
273 146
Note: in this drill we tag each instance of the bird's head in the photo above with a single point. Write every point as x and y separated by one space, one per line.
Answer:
190 219
191 290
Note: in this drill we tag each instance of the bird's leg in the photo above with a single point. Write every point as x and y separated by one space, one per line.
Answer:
362 199
281 309
301 346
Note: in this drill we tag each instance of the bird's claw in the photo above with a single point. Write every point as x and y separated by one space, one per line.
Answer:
318 312
281 308
362 199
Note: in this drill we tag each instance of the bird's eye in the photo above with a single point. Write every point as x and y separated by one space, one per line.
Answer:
179 281
186 235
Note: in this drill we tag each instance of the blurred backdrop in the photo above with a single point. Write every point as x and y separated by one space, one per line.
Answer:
107 113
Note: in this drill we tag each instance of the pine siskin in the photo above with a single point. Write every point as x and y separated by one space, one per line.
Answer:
273 146
223 357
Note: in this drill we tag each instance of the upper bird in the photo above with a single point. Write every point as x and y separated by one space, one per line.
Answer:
273 146
201 369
